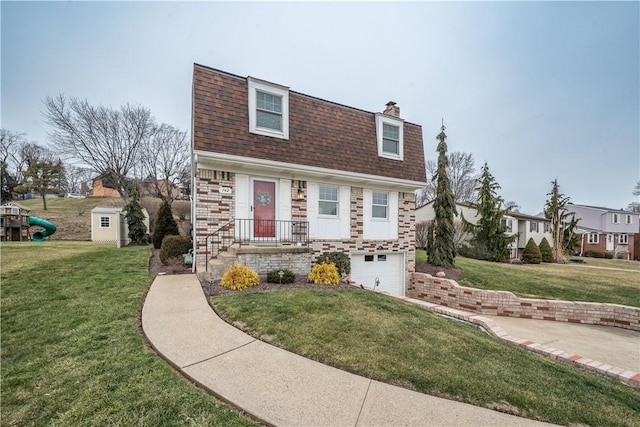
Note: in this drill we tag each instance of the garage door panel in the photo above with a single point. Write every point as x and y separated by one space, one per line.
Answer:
385 267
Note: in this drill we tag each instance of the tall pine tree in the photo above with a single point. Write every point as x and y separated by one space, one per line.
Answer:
443 253
489 239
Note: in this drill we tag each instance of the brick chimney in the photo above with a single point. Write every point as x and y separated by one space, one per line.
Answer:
392 109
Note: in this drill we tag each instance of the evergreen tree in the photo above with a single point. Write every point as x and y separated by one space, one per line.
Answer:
429 247
556 211
489 239
531 253
545 250
444 251
135 221
165 224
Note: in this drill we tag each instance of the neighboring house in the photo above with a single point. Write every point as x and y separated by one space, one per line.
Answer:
607 230
523 227
304 175
108 225
102 188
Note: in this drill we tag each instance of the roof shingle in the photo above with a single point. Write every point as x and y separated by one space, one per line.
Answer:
321 133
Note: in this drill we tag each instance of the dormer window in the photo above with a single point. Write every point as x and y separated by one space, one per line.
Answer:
268 109
389 132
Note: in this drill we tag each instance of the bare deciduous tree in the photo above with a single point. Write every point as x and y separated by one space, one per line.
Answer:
168 150
512 206
462 175
106 140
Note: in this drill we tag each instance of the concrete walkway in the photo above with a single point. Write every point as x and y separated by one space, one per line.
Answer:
278 387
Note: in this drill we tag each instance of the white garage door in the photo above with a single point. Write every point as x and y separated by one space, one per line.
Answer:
388 268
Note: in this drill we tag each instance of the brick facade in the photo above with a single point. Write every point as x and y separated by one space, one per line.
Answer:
601 246
214 209
502 303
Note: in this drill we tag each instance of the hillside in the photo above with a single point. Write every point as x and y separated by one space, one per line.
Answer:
72 217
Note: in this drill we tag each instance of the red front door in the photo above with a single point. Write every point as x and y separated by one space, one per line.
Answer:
264 209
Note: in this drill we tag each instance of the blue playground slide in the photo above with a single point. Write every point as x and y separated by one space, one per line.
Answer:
39 236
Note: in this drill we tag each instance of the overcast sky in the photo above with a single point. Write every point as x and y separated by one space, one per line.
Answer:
538 90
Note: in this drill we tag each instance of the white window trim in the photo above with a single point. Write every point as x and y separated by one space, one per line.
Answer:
281 91
628 219
382 119
626 239
615 218
108 218
593 241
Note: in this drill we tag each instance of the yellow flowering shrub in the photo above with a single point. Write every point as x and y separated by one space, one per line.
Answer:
239 277
324 274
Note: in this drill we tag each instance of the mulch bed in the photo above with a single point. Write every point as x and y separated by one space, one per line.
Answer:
213 288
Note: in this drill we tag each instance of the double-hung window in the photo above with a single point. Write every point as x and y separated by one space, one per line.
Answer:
507 223
623 239
547 227
533 226
328 200
628 219
390 139
380 205
615 219
593 238
268 109
105 222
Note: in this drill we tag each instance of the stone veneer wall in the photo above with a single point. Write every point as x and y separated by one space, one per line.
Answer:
503 303
298 260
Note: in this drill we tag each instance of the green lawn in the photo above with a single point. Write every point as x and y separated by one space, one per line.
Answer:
597 280
72 353
382 338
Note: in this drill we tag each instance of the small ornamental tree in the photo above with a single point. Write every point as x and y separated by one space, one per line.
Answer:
429 246
531 253
135 221
165 224
545 250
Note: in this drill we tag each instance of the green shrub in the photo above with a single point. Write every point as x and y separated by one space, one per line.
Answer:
239 277
339 259
531 253
324 274
608 255
545 250
287 276
165 225
174 247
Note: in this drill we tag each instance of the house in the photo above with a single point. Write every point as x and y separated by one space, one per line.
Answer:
108 225
522 226
103 186
607 230
280 177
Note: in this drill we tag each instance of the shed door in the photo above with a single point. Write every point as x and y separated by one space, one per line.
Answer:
387 268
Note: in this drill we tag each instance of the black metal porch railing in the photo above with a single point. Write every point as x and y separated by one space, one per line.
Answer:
250 231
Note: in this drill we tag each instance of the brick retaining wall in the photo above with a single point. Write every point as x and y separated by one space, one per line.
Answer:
503 303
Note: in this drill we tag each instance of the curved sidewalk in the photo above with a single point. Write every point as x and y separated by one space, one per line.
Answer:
278 387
